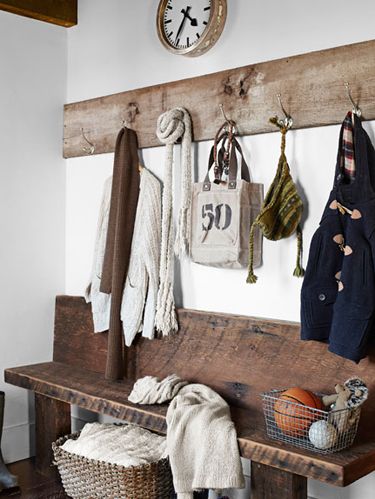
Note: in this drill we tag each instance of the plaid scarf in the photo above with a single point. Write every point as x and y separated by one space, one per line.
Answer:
347 163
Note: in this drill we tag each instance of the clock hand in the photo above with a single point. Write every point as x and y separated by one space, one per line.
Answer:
186 13
193 21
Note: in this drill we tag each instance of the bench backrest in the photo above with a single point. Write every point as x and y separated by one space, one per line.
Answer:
239 357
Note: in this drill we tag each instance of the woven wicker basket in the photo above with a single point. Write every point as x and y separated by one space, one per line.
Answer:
84 478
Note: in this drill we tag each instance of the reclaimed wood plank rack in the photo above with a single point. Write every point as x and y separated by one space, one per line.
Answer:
237 356
312 87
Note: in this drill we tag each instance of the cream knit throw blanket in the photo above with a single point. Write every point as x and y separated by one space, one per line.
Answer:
125 445
171 126
201 439
150 390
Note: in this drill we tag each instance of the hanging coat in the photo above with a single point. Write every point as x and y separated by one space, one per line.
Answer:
338 293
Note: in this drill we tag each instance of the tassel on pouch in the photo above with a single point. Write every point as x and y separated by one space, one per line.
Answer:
299 271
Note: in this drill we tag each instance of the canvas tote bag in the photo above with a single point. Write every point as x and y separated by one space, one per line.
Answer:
223 212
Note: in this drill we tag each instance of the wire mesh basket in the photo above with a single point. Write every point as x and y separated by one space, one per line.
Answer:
309 428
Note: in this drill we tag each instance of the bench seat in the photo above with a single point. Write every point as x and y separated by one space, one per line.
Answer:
92 391
237 356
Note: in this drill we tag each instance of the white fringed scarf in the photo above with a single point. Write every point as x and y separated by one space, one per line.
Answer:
171 126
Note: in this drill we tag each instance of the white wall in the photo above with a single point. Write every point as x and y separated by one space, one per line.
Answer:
32 187
115 48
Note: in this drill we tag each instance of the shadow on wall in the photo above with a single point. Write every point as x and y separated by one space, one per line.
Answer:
361 488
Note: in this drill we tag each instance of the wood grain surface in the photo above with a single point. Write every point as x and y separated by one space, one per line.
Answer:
52 421
269 483
238 356
33 484
60 12
75 342
92 391
312 87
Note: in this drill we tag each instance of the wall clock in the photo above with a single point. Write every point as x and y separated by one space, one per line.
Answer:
190 27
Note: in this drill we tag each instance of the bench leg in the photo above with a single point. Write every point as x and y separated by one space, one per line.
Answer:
268 483
52 420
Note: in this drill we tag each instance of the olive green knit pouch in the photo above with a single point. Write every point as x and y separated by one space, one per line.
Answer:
281 212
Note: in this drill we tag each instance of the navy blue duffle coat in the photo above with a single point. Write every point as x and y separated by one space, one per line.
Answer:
338 292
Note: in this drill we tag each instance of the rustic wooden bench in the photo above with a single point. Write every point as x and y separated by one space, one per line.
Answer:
239 357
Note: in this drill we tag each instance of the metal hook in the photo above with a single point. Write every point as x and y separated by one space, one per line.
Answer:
230 123
356 109
287 122
223 113
87 150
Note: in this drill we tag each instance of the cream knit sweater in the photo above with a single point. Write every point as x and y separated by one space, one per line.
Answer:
141 287
100 302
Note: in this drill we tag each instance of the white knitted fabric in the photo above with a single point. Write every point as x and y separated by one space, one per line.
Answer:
201 437
100 302
171 126
138 307
140 292
126 445
202 442
150 390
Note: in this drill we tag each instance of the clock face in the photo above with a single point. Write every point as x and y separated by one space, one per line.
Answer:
185 21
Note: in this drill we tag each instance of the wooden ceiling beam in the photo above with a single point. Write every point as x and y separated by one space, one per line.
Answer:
60 12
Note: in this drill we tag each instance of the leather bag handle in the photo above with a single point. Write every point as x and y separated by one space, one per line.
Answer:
233 165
